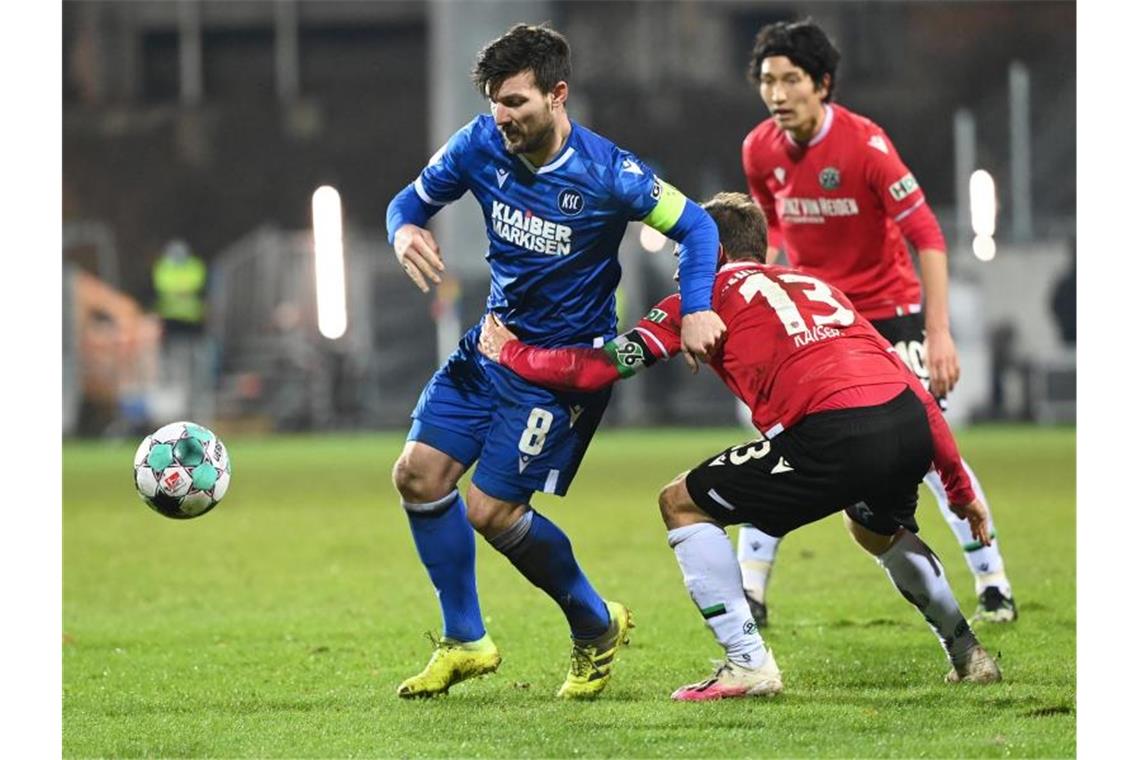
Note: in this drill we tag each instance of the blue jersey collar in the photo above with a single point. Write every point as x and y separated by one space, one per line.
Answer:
563 156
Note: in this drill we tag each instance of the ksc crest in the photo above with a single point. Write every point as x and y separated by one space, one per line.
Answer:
570 202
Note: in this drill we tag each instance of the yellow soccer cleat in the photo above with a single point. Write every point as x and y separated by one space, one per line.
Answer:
592 662
452 662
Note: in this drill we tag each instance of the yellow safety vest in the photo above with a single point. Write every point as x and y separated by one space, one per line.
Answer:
179 285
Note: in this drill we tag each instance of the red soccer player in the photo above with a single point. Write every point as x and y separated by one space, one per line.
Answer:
839 201
846 426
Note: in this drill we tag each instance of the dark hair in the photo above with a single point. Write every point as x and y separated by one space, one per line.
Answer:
538 49
741 225
804 44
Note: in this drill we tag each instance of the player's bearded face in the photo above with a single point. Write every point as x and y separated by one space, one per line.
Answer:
791 97
523 114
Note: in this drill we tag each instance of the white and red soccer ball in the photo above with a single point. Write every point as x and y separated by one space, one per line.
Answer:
182 470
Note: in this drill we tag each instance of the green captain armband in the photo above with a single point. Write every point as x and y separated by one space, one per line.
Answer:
670 205
629 353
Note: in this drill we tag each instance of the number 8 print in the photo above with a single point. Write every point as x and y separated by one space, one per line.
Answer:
534 437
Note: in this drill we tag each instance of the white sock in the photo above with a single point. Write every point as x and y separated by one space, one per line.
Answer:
920 578
756 553
713 580
985 562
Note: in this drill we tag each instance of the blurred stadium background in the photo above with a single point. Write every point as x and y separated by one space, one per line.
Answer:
213 123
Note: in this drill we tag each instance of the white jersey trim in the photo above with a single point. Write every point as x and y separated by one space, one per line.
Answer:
828 117
419 185
910 210
547 167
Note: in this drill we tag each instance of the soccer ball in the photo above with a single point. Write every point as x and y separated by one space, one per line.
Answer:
182 470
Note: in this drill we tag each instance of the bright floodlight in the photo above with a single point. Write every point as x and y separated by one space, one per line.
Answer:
650 239
332 314
984 248
983 203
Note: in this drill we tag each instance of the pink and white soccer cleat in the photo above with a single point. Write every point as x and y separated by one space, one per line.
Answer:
732 680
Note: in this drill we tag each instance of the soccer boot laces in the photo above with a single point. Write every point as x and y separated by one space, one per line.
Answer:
592 662
976 667
731 680
451 662
995 607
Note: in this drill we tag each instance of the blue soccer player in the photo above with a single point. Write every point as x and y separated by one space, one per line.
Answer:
556 199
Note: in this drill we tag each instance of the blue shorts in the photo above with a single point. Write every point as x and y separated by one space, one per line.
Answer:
526 438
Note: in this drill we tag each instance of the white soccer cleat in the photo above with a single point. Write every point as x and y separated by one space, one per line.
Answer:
732 680
976 667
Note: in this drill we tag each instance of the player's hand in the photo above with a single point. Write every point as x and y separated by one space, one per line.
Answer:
978 516
701 334
493 335
941 362
418 254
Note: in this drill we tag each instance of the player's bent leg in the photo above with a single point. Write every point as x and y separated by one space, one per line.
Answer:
756 553
545 557
995 594
426 478
712 577
919 577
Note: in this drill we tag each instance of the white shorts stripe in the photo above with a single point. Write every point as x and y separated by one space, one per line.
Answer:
720 500
551 482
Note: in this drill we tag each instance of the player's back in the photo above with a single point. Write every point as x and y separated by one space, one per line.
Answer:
792 341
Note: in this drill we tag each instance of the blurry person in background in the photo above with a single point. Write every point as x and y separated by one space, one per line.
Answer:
1064 300
842 204
111 351
179 278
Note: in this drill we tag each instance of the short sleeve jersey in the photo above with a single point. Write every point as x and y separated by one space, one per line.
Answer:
836 202
553 231
791 342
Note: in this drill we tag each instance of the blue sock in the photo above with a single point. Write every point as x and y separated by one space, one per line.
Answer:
446 545
542 553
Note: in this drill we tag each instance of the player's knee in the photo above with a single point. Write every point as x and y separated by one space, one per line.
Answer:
677 507
489 516
416 482
873 543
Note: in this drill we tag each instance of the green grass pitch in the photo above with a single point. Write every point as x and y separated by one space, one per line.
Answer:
279 624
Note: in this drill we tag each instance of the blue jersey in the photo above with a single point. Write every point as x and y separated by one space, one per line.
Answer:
554 230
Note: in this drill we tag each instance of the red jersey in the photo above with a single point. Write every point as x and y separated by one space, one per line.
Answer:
837 205
793 346
791 342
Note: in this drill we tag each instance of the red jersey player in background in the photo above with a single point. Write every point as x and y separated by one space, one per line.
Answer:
839 201
846 426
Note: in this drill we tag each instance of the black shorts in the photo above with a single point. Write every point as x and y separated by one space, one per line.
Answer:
908 336
868 461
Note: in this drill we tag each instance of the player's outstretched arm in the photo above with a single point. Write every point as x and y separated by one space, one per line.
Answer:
564 369
574 368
